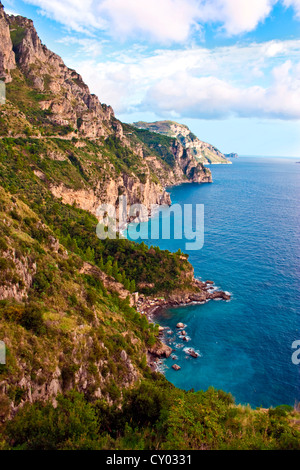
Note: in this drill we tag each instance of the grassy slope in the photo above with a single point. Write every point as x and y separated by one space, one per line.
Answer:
69 320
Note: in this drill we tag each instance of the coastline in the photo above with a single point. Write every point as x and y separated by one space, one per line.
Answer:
150 306
200 292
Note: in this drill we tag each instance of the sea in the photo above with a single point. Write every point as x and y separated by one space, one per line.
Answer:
251 249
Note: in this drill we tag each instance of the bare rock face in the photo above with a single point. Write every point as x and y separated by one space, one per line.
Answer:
187 164
71 103
25 269
67 102
161 350
148 194
7 56
201 151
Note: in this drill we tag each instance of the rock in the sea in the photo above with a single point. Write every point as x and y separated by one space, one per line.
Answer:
180 325
161 350
184 338
183 333
192 353
176 367
219 295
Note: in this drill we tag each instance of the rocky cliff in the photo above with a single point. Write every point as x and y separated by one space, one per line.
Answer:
201 151
7 56
66 312
69 101
46 100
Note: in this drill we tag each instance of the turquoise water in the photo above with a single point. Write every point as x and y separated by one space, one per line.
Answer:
251 249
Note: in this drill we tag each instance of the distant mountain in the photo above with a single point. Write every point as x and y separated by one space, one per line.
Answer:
202 151
231 155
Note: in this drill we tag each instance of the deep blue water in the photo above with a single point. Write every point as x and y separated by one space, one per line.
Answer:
251 249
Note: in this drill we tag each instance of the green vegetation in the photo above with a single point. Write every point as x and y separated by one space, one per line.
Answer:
153 416
159 145
73 337
75 228
17 34
148 131
63 302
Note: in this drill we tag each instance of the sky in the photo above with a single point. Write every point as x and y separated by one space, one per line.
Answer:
229 69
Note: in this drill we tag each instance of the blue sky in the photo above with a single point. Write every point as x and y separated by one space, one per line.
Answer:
229 69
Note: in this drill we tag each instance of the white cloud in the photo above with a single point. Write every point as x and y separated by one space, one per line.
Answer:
294 4
256 80
160 20
75 14
90 47
213 98
236 16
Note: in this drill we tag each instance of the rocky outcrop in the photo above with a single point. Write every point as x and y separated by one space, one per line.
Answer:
109 282
160 350
148 194
187 166
198 292
24 270
194 147
7 56
70 102
57 376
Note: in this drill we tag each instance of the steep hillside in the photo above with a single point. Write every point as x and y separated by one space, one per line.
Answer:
201 151
46 99
79 370
62 153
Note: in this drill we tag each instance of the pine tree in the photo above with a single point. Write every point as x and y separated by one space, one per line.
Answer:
132 286
108 268
115 269
90 254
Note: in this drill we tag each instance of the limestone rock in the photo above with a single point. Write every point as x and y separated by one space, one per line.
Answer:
161 350
202 152
7 56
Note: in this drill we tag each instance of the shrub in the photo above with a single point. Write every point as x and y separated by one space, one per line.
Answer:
41 427
32 319
3 245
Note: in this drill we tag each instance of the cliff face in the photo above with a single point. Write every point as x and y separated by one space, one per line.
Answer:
7 57
136 192
46 100
69 99
188 164
201 151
